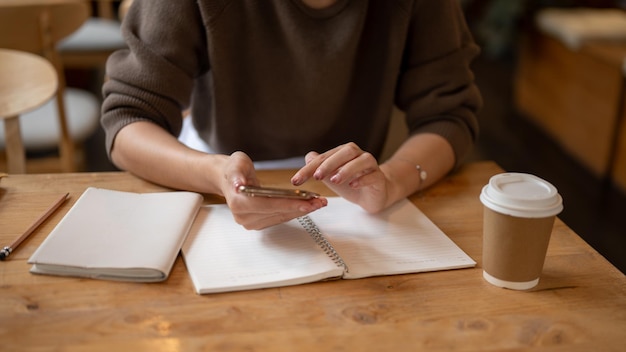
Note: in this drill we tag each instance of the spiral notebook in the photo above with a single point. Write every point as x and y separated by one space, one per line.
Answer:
340 241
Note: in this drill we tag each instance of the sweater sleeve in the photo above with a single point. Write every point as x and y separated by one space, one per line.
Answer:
436 86
152 80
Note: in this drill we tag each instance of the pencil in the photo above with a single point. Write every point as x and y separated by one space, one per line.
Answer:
6 251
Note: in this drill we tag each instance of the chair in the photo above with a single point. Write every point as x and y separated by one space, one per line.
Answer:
26 82
90 46
66 121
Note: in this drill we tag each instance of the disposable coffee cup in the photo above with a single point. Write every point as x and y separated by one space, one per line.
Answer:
519 213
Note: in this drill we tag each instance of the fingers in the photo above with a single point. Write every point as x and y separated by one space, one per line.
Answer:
345 164
310 156
239 171
312 160
255 213
259 212
352 172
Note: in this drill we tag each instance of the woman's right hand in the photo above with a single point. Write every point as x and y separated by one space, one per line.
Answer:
255 213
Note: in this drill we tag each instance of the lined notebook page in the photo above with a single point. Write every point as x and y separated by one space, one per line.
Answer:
222 256
399 240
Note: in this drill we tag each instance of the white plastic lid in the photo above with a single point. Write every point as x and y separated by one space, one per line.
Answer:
521 195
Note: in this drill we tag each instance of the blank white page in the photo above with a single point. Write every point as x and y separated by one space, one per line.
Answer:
397 241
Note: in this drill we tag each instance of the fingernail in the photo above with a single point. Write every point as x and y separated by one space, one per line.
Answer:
296 181
335 178
318 175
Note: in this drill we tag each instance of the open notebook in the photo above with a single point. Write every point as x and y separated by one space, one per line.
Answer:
338 241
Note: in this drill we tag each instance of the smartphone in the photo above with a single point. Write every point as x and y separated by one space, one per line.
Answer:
254 191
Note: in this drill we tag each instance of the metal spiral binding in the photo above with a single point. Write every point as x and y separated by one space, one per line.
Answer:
315 233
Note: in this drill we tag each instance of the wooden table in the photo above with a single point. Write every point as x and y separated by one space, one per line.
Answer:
579 304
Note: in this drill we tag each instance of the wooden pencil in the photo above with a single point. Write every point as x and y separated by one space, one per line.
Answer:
6 251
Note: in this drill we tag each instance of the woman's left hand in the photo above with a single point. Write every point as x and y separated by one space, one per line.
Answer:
349 171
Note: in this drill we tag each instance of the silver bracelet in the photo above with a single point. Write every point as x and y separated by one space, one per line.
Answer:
423 175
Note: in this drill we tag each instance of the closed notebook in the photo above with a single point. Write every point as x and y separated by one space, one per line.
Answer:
337 241
118 235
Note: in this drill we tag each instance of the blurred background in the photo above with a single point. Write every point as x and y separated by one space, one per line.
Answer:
552 75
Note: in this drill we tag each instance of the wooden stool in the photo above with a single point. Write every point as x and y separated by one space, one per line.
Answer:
26 82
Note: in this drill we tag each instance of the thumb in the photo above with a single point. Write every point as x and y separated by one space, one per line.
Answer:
240 170
310 156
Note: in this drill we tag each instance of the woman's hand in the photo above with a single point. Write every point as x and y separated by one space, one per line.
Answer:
351 173
256 213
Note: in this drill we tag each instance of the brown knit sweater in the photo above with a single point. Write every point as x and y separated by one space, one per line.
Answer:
277 79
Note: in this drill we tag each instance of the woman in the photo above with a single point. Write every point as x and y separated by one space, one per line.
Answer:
281 79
